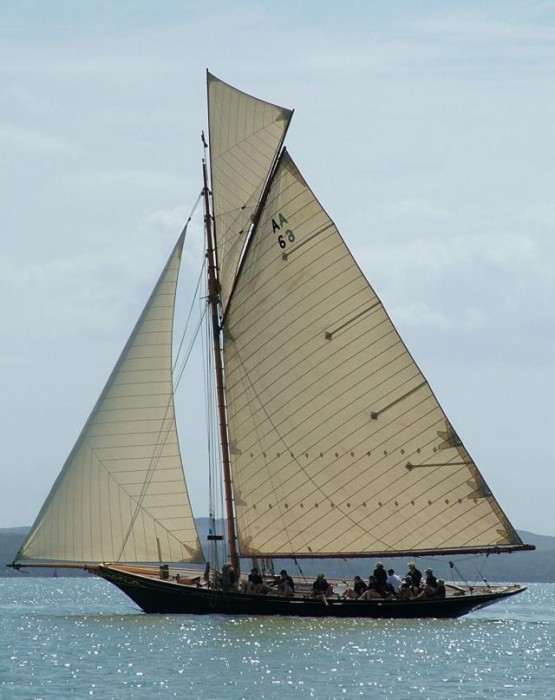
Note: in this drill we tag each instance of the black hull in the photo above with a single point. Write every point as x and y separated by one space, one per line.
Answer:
167 597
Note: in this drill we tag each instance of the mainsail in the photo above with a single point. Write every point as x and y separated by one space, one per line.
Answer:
339 447
245 137
121 495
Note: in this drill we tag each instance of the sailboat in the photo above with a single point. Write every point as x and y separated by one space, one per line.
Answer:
332 443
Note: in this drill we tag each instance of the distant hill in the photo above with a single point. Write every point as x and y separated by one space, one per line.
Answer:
520 567
526 567
10 541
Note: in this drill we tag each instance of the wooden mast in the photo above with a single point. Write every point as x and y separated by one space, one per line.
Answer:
213 298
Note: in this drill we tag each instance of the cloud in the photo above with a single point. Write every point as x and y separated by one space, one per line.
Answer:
34 141
415 207
169 218
421 314
423 127
128 177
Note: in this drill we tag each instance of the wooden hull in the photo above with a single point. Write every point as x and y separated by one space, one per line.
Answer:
169 597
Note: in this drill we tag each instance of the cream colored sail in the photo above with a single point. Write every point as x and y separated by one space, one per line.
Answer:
339 446
245 137
121 495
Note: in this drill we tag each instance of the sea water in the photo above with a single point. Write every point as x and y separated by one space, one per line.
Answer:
81 638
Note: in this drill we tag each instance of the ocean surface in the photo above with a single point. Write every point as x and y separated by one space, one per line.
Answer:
81 638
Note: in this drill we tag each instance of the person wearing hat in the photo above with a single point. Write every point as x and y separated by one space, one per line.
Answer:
415 576
380 576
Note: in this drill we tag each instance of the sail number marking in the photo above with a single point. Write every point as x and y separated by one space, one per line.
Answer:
286 236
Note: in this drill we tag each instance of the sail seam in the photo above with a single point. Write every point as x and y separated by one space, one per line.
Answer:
317 488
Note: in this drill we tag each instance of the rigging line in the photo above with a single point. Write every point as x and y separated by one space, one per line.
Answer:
218 484
208 406
257 213
454 568
198 281
138 501
270 479
161 441
310 479
163 435
100 402
214 555
189 350
207 369
154 460
180 348
215 484
164 431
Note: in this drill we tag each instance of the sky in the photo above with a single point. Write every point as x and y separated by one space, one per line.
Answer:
427 131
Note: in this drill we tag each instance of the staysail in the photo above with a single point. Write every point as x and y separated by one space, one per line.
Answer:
339 447
245 137
121 495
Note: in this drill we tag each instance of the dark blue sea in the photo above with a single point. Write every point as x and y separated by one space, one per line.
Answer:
81 638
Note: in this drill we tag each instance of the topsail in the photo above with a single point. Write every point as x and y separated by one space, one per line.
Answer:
245 137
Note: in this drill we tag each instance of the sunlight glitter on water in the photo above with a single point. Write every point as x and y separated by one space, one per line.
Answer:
81 638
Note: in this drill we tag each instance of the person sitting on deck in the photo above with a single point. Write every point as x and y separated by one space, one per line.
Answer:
415 576
440 589
255 583
371 592
431 580
429 591
405 590
284 584
321 588
229 578
357 590
393 582
428 586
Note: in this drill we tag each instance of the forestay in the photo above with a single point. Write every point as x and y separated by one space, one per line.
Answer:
339 446
121 495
